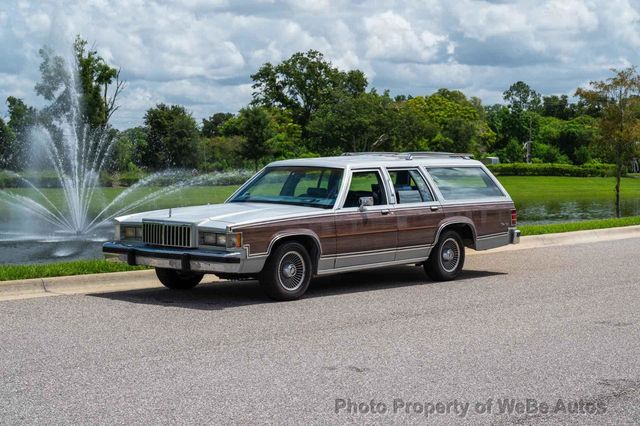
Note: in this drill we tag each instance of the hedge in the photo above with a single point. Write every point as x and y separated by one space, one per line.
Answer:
552 169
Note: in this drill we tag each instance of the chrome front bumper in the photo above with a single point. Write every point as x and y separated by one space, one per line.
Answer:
514 236
172 258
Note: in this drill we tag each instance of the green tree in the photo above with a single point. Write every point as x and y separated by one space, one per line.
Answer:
96 79
21 118
211 126
354 123
256 126
458 120
98 84
512 152
524 104
557 106
619 100
129 149
304 83
287 139
172 137
520 97
221 153
412 129
7 150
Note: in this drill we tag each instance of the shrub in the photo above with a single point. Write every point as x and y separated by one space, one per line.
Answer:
552 169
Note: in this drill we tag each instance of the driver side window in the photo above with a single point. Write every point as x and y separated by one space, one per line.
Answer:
366 184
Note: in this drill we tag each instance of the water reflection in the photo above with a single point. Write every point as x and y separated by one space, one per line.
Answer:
538 212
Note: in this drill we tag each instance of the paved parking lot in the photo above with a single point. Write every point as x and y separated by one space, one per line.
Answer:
558 326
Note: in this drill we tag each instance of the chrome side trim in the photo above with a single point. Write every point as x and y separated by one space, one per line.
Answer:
413 253
372 266
493 241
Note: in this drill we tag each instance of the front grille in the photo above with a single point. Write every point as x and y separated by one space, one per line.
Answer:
166 234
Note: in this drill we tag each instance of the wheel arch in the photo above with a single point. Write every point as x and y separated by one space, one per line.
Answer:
463 226
306 237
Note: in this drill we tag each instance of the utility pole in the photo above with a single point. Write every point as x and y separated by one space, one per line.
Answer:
527 144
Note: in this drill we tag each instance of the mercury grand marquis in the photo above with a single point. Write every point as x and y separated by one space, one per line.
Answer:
296 219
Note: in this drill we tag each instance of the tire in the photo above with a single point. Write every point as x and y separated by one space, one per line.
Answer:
287 272
178 280
447 257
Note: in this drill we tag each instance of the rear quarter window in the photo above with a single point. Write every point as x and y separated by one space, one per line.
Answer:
464 183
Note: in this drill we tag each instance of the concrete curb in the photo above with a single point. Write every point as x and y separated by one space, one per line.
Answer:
78 284
135 280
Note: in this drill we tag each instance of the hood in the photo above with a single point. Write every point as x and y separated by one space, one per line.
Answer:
221 216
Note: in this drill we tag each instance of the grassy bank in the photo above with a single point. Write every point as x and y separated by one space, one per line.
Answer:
584 225
78 267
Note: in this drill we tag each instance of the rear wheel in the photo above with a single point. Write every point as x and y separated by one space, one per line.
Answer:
178 280
447 257
287 272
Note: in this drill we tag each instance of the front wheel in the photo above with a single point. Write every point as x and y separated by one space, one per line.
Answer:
178 280
447 257
287 272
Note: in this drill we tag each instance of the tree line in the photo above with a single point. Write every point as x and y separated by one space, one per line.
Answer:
305 107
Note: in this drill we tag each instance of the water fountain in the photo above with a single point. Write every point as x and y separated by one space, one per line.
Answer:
78 154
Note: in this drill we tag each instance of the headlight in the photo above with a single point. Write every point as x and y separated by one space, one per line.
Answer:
208 238
128 232
220 239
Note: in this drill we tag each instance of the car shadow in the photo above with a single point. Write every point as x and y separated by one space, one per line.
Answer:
217 295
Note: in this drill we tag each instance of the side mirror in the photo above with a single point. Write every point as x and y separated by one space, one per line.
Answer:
365 202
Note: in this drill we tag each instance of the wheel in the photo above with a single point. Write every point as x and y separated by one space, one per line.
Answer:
178 280
447 257
287 272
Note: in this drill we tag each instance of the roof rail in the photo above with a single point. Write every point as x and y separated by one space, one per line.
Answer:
417 154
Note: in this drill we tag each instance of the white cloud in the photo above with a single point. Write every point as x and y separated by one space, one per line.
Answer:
392 37
201 52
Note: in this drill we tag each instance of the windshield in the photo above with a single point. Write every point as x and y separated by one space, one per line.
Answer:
302 186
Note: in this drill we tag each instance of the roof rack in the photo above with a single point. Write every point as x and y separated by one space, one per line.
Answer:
412 155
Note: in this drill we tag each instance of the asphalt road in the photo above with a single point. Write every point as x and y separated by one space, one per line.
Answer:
550 324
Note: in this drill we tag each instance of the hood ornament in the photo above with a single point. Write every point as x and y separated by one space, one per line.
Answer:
169 211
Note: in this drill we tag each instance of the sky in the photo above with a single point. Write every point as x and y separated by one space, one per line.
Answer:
201 53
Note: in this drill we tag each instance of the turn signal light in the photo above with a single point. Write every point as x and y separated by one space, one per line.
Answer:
514 217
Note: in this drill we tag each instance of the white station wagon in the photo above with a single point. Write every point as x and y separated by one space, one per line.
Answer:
299 218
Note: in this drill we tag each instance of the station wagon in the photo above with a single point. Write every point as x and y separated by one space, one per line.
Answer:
296 219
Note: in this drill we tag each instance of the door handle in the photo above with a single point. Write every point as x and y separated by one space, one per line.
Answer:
434 208
385 212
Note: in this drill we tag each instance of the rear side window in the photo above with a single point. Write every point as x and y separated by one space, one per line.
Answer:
410 186
464 183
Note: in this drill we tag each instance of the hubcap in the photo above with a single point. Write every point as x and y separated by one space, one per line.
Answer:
447 255
291 271
450 255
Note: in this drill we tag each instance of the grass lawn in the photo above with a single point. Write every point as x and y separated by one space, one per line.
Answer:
554 188
189 196
78 267
583 225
